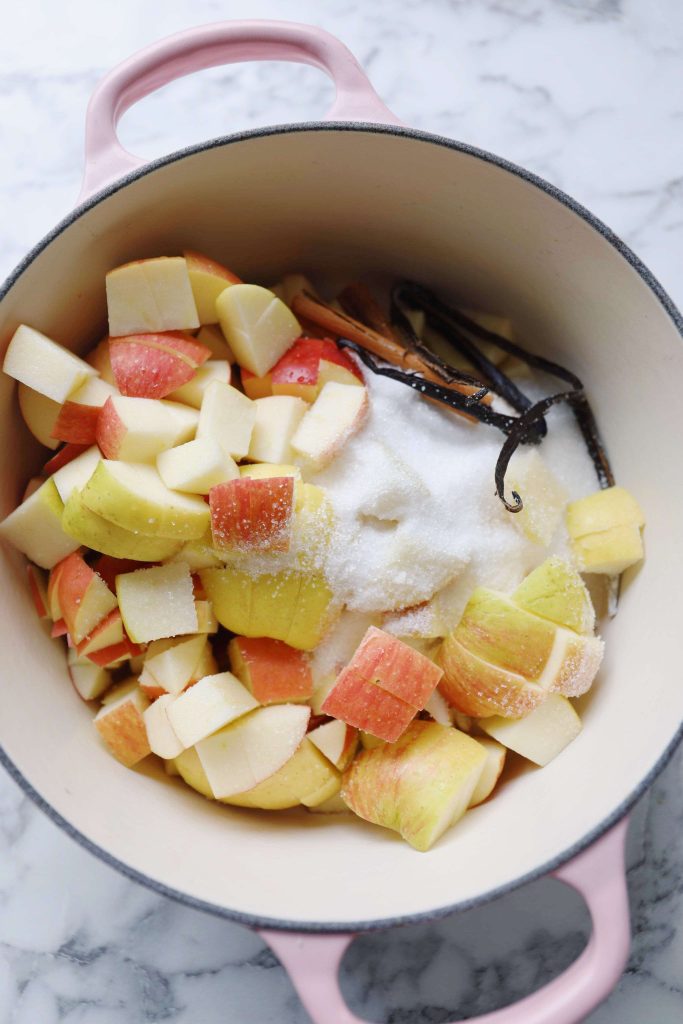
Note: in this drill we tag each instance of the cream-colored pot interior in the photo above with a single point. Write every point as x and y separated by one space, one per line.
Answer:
366 200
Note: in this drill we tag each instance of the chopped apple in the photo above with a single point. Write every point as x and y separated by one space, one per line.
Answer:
90 681
208 280
298 371
605 531
338 412
555 591
207 706
331 370
134 497
35 527
271 670
193 392
84 598
78 417
228 417
246 752
196 467
95 532
37 582
251 514
277 419
189 768
76 473
154 365
501 659
172 664
43 365
157 602
138 429
419 786
40 414
541 735
99 359
258 326
306 778
256 387
213 338
121 689
122 727
493 766
543 495
107 633
63 457
150 295
337 741
109 568
114 656
383 686
160 733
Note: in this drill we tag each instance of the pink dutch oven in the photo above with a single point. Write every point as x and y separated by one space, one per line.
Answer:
361 192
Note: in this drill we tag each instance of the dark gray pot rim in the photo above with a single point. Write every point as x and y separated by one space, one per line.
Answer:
256 921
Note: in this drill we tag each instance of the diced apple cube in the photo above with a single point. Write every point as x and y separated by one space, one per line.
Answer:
258 326
193 392
157 602
207 706
35 527
160 733
252 514
228 417
196 467
77 420
271 670
154 365
172 664
84 598
605 531
43 365
338 412
92 530
208 280
542 734
121 725
337 741
138 429
277 419
151 295
212 336
89 680
106 634
40 414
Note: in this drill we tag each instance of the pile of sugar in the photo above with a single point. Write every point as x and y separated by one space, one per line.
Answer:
416 510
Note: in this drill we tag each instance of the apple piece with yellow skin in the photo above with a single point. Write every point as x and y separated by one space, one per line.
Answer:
501 659
250 750
157 602
208 279
41 364
491 772
556 592
93 531
337 741
121 726
40 414
154 365
78 417
383 686
150 295
258 327
196 467
209 705
304 779
37 584
160 734
138 429
172 663
133 496
337 414
193 392
541 735
605 530
249 514
35 527
277 419
271 670
84 598
419 786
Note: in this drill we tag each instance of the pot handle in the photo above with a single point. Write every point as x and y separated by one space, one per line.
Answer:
598 874
206 46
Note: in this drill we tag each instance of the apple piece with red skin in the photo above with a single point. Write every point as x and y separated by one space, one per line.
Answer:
383 687
418 786
78 416
337 741
271 670
84 597
37 584
121 726
298 371
154 365
63 457
208 279
250 514
139 429
53 605
107 633
89 681
100 359
107 657
59 628
150 295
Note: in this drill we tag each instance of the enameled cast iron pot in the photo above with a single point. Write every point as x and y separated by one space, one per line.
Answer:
364 193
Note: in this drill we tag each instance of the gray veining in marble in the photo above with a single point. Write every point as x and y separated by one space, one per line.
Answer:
587 93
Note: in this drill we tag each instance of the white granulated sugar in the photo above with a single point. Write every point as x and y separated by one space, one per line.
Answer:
417 515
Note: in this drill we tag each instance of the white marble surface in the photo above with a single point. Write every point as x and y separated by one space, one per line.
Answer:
588 93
